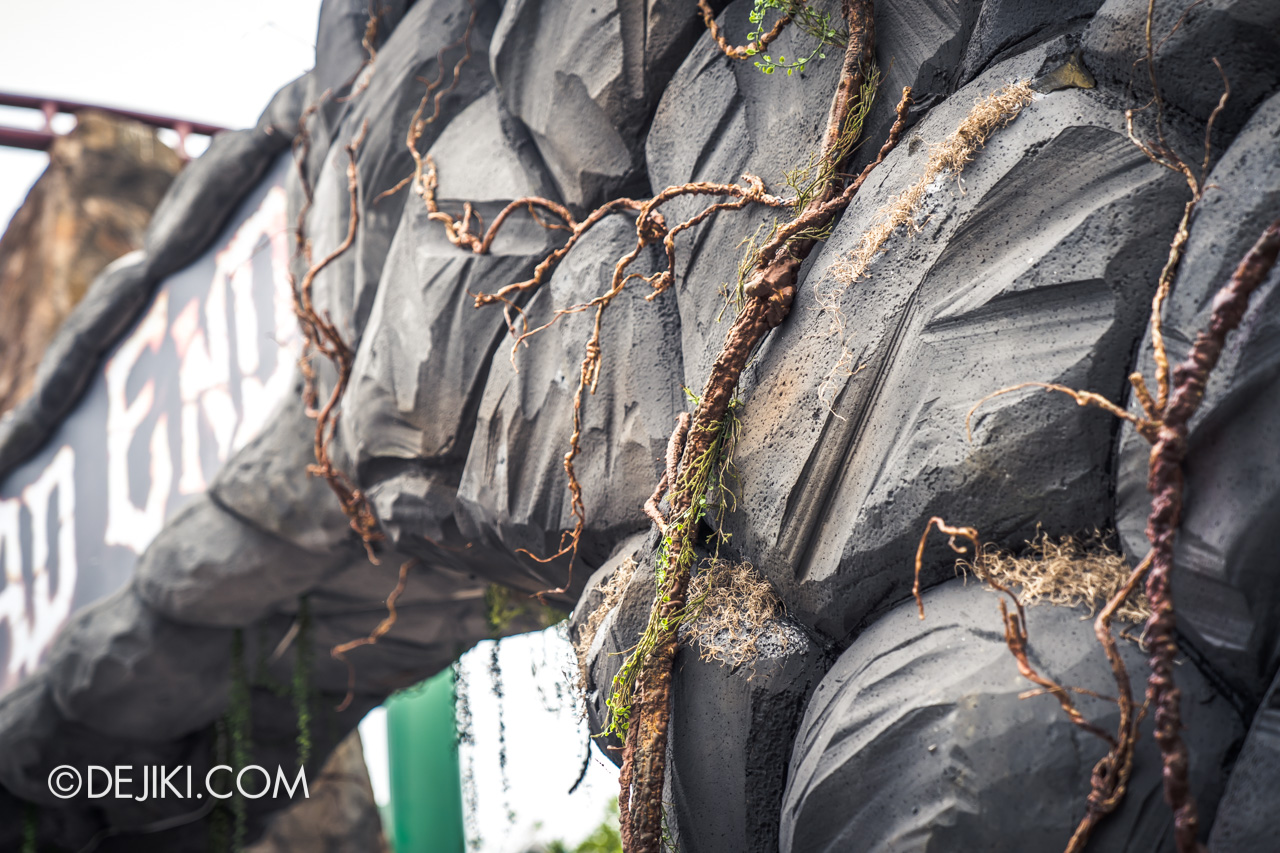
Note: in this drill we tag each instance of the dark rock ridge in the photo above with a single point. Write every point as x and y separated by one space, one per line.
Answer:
1226 588
1036 263
1013 276
513 488
917 739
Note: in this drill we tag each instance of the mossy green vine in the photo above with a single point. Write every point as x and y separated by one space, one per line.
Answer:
301 683
709 479
239 730
30 820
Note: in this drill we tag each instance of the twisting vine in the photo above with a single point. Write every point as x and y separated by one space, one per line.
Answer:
418 124
1168 435
320 334
768 298
339 652
367 41
766 303
1163 423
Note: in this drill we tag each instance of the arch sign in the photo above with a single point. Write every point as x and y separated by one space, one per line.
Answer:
189 384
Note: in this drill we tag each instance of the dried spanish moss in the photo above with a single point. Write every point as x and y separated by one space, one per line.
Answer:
495 677
240 732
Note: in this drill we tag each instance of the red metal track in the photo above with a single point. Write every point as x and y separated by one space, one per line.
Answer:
40 140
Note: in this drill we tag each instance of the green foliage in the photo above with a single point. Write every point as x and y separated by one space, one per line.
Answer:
29 821
812 22
735 296
808 180
605 838
301 685
503 606
707 479
239 729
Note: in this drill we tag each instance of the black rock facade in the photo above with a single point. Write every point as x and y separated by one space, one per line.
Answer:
857 726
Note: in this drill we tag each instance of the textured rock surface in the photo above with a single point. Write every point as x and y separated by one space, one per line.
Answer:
1225 584
1013 277
426 350
1037 265
1244 35
584 77
1246 819
615 634
124 670
917 739
729 799
718 119
732 726
513 491
345 289
199 566
340 817
1005 28
89 207
423 362
266 484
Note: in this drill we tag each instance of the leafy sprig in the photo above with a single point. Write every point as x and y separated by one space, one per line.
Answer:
814 23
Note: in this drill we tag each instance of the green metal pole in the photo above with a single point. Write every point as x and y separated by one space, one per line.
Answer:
426 786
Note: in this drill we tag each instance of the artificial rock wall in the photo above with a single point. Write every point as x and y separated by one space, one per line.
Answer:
860 727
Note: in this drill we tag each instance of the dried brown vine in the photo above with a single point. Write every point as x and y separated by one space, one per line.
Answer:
1165 482
1110 775
367 42
674 447
768 301
339 652
1166 428
320 334
740 51
418 124
651 229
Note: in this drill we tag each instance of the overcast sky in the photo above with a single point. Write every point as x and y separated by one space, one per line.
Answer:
221 63
214 62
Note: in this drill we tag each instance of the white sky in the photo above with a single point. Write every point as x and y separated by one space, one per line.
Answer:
215 62
545 737
221 63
